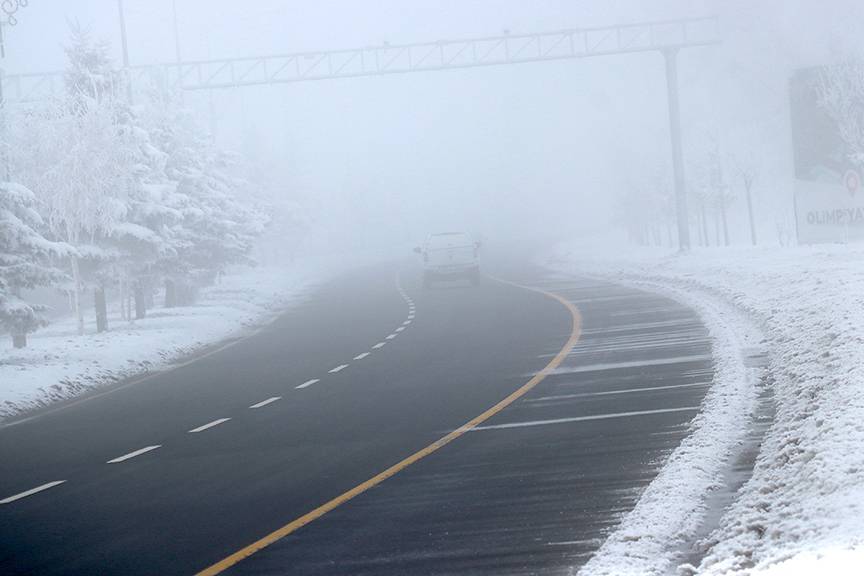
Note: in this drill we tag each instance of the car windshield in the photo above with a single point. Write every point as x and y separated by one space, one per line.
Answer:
450 240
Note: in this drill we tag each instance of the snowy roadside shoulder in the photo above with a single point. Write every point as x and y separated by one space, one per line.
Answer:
802 506
672 508
59 364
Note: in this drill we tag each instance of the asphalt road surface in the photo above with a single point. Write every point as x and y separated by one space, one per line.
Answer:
180 471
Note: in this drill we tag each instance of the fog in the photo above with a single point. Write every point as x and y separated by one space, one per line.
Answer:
593 311
534 151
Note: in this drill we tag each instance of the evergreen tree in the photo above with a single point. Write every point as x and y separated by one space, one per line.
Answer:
25 261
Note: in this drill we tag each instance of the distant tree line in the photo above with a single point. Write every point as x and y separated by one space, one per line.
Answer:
102 194
718 181
646 207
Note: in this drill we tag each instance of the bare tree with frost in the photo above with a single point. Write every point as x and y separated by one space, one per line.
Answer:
711 185
645 208
840 89
71 153
746 171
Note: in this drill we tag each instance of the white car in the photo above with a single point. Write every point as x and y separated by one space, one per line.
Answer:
448 256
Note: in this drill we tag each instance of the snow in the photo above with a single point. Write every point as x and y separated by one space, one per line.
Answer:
836 562
135 231
58 364
802 508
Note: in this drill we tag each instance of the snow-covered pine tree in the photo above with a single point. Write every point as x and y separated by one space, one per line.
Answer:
25 261
218 223
143 236
224 225
140 192
90 73
74 157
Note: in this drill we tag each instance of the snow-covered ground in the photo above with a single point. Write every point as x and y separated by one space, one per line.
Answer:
803 508
59 364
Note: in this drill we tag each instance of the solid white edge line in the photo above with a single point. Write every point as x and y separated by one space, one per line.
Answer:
308 383
134 454
584 418
379 345
209 425
32 491
265 402
361 356
338 368
612 392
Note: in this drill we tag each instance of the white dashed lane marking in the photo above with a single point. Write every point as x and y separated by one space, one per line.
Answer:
134 454
266 402
209 425
146 449
32 491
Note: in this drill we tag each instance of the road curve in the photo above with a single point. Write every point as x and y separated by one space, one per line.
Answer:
179 472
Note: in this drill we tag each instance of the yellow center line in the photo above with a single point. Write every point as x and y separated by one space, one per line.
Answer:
298 523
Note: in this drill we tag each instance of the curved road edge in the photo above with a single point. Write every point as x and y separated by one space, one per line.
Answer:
677 509
154 360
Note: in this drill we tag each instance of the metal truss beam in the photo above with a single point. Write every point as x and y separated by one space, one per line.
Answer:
398 59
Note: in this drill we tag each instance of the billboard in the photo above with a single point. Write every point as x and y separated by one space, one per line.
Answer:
829 200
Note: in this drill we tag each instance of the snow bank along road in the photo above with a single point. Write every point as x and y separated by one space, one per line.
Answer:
57 365
800 511
315 446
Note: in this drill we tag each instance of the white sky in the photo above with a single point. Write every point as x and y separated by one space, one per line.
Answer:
538 148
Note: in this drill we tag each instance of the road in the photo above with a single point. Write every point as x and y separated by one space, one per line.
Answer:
186 469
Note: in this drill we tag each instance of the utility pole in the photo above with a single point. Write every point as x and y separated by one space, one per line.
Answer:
748 186
10 7
125 47
176 31
670 56
4 141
